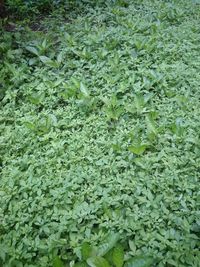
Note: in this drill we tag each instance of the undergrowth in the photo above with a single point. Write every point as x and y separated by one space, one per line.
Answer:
100 144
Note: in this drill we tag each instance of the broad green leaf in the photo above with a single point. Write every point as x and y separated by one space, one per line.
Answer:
98 262
57 262
36 98
108 244
109 255
140 261
33 50
47 61
138 149
118 256
32 61
84 90
86 251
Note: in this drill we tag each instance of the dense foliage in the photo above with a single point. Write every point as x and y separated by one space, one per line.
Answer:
24 7
100 143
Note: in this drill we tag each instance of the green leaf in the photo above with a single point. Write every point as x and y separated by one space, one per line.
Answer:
86 251
30 125
49 62
36 98
109 255
151 125
44 43
98 262
138 149
59 58
140 261
32 61
118 256
81 264
84 90
57 262
131 243
139 103
33 50
45 59
109 243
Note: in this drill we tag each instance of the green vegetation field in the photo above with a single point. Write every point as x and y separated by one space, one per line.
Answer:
100 140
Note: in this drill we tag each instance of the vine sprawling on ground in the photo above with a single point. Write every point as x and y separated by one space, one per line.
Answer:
100 141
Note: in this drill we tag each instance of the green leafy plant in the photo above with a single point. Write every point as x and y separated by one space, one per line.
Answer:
108 254
113 108
99 133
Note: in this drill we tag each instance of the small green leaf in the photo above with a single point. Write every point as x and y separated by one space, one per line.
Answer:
98 262
140 261
118 256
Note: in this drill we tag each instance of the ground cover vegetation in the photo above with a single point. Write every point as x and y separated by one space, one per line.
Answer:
100 144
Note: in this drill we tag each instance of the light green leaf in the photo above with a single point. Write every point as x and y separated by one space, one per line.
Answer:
44 43
131 243
49 62
30 125
109 243
32 61
59 57
98 262
84 90
45 59
151 126
138 149
139 103
33 50
140 261
36 98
